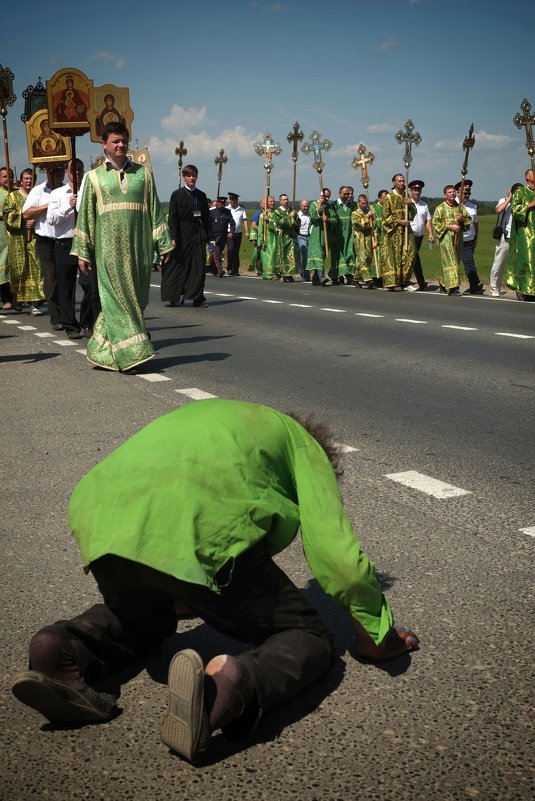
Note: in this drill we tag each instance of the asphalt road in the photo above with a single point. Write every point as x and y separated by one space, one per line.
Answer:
405 392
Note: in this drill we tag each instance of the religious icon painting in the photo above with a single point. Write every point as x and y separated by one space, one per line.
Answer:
109 103
68 99
45 146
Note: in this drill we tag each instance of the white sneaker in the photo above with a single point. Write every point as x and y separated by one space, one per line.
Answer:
495 293
36 311
412 288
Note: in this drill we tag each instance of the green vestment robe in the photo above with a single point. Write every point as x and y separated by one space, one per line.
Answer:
157 500
269 255
396 262
24 265
4 271
118 228
520 270
286 233
343 261
451 245
316 238
378 227
362 232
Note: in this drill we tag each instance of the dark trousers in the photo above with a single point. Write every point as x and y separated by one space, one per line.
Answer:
6 295
66 272
417 264
257 604
233 254
46 250
90 304
469 264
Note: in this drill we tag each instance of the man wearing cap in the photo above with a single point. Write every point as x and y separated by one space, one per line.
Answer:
222 227
470 238
241 224
421 222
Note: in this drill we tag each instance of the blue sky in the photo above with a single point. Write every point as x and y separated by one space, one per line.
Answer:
220 73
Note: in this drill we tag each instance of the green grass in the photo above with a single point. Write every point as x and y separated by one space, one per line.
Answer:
484 253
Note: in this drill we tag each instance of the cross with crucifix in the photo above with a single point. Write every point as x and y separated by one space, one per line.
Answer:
267 149
219 161
410 139
362 164
316 147
295 136
527 121
180 151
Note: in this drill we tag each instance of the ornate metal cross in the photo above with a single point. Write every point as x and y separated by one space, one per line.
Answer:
267 149
7 98
468 144
180 151
316 147
295 136
410 139
527 121
362 164
219 161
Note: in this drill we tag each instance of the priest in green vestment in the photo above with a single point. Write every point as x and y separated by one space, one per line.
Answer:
377 209
398 211
520 271
449 222
320 220
268 243
24 266
4 271
120 222
362 220
286 224
343 254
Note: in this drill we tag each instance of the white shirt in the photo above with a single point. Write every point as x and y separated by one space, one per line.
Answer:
39 196
60 213
239 214
304 223
471 208
505 217
422 216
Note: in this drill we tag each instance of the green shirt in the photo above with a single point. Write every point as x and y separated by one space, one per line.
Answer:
158 500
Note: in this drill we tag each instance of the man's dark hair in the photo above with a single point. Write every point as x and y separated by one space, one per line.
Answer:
190 169
25 171
381 192
448 186
323 436
114 128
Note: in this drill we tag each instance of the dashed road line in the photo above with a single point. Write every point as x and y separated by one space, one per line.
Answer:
427 484
407 320
45 335
346 448
338 311
516 336
365 314
195 394
459 327
273 301
27 328
530 531
246 297
301 305
11 322
64 342
153 377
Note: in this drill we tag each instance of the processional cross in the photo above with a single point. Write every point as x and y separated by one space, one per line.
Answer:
180 151
267 149
527 121
294 137
410 139
362 165
316 146
468 144
219 161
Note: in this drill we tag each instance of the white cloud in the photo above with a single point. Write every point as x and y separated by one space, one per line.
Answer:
274 8
392 43
183 119
380 127
484 141
109 58
234 141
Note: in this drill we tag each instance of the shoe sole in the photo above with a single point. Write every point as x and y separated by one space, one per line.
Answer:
58 702
185 720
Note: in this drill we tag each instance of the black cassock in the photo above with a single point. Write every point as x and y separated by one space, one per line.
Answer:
189 223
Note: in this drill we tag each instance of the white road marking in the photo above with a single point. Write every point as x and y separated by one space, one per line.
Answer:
516 336
63 342
339 311
406 320
83 352
459 327
153 377
196 394
27 328
246 297
11 322
346 448
431 486
530 531
222 294
363 314
272 301
301 305
45 334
